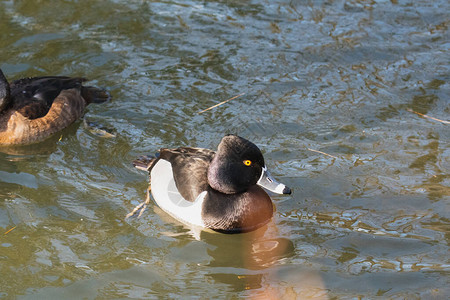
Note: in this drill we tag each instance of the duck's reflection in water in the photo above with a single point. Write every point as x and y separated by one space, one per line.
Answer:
259 263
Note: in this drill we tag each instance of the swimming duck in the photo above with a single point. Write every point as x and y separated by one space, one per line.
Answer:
216 190
32 109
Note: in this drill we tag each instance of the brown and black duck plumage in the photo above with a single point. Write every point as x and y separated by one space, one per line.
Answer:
32 109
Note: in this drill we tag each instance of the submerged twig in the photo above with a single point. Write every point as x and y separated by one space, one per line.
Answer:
10 230
223 102
322 153
425 116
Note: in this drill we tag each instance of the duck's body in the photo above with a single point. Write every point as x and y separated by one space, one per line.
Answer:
32 109
216 190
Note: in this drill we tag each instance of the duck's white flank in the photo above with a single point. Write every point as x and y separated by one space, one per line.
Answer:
166 195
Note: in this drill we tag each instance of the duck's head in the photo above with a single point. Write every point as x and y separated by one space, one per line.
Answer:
238 165
5 96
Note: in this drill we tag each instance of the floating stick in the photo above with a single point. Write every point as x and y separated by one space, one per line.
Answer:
223 102
425 116
9 230
322 153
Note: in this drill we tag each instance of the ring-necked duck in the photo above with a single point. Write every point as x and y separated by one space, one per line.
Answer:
216 190
32 109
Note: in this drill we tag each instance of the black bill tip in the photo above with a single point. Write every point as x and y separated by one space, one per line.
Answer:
287 191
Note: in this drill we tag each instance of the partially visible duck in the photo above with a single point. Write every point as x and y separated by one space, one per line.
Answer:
32 109
216 190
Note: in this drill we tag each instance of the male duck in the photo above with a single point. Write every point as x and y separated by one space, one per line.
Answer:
32 109
217 190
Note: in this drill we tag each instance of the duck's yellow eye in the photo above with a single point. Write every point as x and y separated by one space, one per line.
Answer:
247 162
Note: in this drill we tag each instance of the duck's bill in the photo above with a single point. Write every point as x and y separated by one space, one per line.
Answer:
268 182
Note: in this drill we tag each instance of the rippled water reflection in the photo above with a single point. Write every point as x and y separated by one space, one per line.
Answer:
369 219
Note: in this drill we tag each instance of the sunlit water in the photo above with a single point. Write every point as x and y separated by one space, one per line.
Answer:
369 216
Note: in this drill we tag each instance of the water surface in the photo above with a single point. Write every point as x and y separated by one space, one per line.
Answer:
368 217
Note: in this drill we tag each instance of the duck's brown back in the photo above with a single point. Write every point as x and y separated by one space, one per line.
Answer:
42 106
190 169
33 97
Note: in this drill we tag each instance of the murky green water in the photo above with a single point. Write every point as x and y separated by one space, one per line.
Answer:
339 77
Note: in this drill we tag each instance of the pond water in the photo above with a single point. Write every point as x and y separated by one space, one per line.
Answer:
369 214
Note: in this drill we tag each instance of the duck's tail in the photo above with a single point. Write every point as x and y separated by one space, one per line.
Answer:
145 163
93 94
